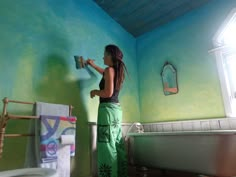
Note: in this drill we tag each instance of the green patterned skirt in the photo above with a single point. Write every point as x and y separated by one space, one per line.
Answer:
112 158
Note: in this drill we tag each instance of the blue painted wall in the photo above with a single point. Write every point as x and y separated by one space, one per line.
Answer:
38 42
184 43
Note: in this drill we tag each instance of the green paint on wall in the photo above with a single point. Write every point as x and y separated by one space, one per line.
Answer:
184 43
37 64
38 42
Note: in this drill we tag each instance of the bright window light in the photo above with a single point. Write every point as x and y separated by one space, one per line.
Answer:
229 36
225 52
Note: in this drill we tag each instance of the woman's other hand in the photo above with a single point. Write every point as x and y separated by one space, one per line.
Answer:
93 93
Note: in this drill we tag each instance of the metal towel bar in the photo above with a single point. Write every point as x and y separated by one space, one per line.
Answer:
6 116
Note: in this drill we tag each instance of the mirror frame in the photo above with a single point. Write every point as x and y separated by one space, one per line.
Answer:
166 89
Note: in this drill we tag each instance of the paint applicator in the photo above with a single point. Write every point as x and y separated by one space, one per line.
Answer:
80 62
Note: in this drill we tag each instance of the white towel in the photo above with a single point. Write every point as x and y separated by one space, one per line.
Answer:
63 162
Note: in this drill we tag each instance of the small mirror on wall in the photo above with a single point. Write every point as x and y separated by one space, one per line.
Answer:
169 79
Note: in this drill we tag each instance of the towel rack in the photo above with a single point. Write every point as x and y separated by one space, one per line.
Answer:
5 116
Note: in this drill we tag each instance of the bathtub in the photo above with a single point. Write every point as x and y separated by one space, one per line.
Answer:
202 152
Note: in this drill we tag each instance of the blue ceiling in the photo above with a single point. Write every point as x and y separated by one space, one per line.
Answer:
141 16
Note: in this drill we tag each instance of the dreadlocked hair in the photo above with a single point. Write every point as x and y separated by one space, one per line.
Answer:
118 64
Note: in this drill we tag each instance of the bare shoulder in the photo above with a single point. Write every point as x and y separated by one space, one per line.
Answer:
109 71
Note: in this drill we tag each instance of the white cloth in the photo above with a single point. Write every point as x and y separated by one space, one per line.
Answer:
63 162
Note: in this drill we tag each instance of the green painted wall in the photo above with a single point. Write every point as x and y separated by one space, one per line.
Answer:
38 42
184 43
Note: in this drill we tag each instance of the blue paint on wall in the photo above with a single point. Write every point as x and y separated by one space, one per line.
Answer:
38 42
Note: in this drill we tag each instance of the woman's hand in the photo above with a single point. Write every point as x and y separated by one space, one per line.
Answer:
97 68
90 62
93 93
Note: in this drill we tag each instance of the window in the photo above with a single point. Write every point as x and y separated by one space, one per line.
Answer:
225 52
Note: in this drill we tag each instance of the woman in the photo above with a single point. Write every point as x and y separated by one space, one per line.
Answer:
112 160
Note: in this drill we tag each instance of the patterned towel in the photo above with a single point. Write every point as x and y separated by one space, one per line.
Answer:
52 127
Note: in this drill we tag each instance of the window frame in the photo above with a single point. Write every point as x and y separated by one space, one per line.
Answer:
230 112
220 51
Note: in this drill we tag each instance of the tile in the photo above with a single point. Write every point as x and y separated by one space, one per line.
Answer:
125 129
196 126
167 127
187 126
205 125
224 124
146 128
160 128
214 125
177 126
153 127
232 123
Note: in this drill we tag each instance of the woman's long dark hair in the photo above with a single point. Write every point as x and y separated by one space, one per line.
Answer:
118 64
